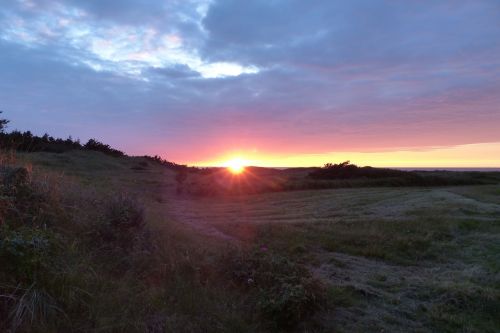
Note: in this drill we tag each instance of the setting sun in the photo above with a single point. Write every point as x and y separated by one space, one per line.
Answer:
236 165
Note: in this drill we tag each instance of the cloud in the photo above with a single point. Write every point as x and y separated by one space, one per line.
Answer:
192 79
328 33
126 39
175 72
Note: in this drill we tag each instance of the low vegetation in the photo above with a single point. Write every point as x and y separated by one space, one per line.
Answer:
392 259
346 170
283 291
217 181
28 142
96 241
75 258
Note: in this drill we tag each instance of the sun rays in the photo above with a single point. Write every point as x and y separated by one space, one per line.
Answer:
236 165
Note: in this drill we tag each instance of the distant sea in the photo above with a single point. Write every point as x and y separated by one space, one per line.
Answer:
448 169
428 169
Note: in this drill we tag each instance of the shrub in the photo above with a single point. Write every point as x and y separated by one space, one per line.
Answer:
15 178
25 203
122 225
23 252
47 269
28 253
346 170
93 144
284 292
29 142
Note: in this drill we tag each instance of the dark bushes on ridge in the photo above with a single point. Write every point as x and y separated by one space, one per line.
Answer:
346 174
179 167
28 142
95 145
346 170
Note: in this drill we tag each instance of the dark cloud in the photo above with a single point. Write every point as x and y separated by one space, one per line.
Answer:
294 76
333 33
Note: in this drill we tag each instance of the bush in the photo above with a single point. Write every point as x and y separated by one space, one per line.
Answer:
122 225
23 252
25 203
346 170
47 269
28 142
28 253
95 145
15 178
28 280
284 292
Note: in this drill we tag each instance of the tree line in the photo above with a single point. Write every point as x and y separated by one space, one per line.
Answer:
29 142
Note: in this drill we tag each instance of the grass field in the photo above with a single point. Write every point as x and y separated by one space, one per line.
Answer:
395 259
379 259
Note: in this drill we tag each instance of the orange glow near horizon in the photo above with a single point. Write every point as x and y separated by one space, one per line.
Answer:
236 165
482 155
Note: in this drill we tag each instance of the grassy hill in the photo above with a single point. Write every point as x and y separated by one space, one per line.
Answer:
87 244
93 242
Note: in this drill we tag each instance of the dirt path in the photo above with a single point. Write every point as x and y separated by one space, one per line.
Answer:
182 210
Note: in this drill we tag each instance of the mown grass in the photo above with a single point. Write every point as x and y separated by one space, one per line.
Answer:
467 303
465 307
401 242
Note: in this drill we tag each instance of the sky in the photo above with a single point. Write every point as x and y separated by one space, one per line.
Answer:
272 82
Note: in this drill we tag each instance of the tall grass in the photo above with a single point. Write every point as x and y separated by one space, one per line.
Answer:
76 259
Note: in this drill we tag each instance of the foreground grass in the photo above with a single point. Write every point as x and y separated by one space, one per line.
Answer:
90 248
97 243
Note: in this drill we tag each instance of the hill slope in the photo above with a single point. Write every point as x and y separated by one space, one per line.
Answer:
92 242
